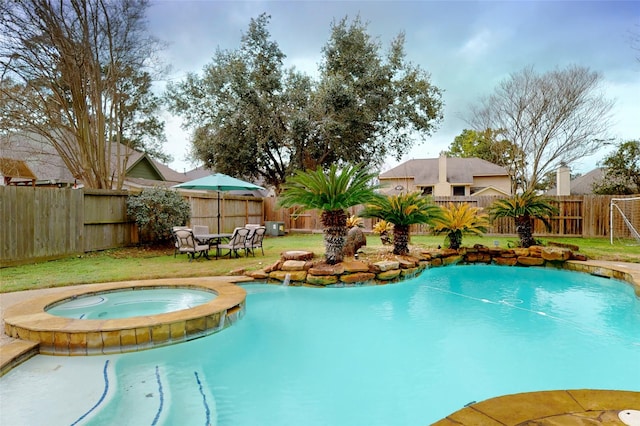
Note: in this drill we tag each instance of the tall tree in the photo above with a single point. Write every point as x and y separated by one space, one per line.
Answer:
368 106
77 68
241 108
253 118
622 171
556 117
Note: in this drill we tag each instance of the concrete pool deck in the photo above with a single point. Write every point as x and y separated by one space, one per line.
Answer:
561 407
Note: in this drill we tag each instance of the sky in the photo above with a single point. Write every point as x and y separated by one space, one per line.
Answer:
467 47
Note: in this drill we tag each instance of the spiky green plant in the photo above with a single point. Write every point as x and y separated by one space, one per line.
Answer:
402 210
354 221
458 220
524 208
332 192
384 228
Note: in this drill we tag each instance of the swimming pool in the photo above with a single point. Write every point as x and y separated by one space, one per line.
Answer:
408 353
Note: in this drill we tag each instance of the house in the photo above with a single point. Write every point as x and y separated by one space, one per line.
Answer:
447 176
16 171
582 185
27 159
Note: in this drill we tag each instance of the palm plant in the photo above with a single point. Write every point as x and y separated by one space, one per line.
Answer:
524 208
402 210
332 192
458 220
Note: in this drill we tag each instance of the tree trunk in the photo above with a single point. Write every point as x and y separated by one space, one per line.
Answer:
524 228
455 239
335 232
401 239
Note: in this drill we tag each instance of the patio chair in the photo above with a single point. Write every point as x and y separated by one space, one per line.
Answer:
188 244
254 240
236 242
176 243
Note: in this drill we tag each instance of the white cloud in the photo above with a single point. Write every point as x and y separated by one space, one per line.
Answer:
477 45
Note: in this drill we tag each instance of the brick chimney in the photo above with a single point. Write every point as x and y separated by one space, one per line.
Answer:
442 168
442 188
563 180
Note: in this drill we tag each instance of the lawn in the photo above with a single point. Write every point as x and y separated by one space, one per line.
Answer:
145 263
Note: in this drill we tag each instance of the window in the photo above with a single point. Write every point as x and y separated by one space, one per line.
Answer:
458 191
427 190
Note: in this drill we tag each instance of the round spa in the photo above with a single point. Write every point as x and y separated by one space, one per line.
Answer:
131 303
126 316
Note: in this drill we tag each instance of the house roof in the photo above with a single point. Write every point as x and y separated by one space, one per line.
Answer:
47 165
459 170
489 190
16 169
582 185
43 160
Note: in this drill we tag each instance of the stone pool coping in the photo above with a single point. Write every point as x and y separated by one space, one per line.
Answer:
547 408
35 331
540 408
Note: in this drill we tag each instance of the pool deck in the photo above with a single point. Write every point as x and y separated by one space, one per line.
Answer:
560 407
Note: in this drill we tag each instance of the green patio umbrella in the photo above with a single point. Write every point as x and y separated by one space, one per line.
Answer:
218 182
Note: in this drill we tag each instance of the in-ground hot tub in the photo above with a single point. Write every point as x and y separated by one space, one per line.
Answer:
129 303
57 335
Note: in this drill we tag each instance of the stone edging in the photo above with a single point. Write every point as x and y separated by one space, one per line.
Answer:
568 407
298 267
29 321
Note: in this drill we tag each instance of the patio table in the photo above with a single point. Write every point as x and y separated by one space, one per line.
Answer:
212 239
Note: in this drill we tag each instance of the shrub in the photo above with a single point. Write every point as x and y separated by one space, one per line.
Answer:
384 228
458 220
353 221
156 211
402 210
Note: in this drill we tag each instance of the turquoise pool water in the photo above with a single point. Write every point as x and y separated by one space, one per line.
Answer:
131 303
402 354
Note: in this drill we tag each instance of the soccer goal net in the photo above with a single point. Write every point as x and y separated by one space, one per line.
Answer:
624 219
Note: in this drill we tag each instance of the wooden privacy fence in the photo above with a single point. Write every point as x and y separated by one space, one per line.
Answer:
50 223
579 216
235 211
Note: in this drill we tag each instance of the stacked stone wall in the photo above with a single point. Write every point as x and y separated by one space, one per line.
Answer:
298 267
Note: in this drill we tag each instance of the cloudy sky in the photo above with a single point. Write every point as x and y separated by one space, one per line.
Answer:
468 47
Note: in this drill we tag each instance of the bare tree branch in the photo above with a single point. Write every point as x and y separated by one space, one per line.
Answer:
68 62
553 118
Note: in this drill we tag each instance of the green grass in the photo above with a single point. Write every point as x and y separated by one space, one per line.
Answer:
140 263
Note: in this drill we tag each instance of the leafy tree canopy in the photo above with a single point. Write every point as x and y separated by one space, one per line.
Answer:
622 171
253 118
